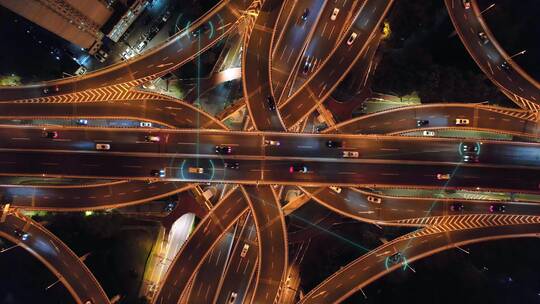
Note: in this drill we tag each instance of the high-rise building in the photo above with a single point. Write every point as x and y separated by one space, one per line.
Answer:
78 21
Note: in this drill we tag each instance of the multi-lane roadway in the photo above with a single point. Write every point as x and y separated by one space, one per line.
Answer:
337 64
190 156
55 255
321 44
191 256
491 57
400 252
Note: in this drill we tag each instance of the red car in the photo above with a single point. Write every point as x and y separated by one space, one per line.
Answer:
51 89
49 134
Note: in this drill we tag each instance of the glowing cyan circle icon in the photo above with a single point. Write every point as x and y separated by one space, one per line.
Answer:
477 145
211 169
198 32
396 258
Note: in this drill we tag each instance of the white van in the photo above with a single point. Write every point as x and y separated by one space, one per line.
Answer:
103 147
244 250
351 38
462 121
335 189
374 199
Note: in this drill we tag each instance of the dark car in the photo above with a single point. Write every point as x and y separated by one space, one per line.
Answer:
301 168
232 165
469 147
51 89
334 144
158 173
320 128
420 123
201 30
153 32
223 150
270 102
469 152
497 208
456 207
49 134
483 37
306 67
166 16
470 158
21 234
170 206
395 258
505 66
305 14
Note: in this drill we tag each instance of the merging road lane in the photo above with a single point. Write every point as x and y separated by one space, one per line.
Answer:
272 235
101 196
256 69
205 284
325 36
401 211
317 88
240 270
171 113
291 42
191 256
441 116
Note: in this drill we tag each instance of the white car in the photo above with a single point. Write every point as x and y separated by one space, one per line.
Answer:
336 189
195 170
232 298
443 176
428 133
151 138
334 14
351 38
145 124
244 251
103 147
348 154
269 142
462 121
141 46
374 199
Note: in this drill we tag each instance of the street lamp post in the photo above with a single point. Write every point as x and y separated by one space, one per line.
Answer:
9 248
487 8
517 54
54 283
